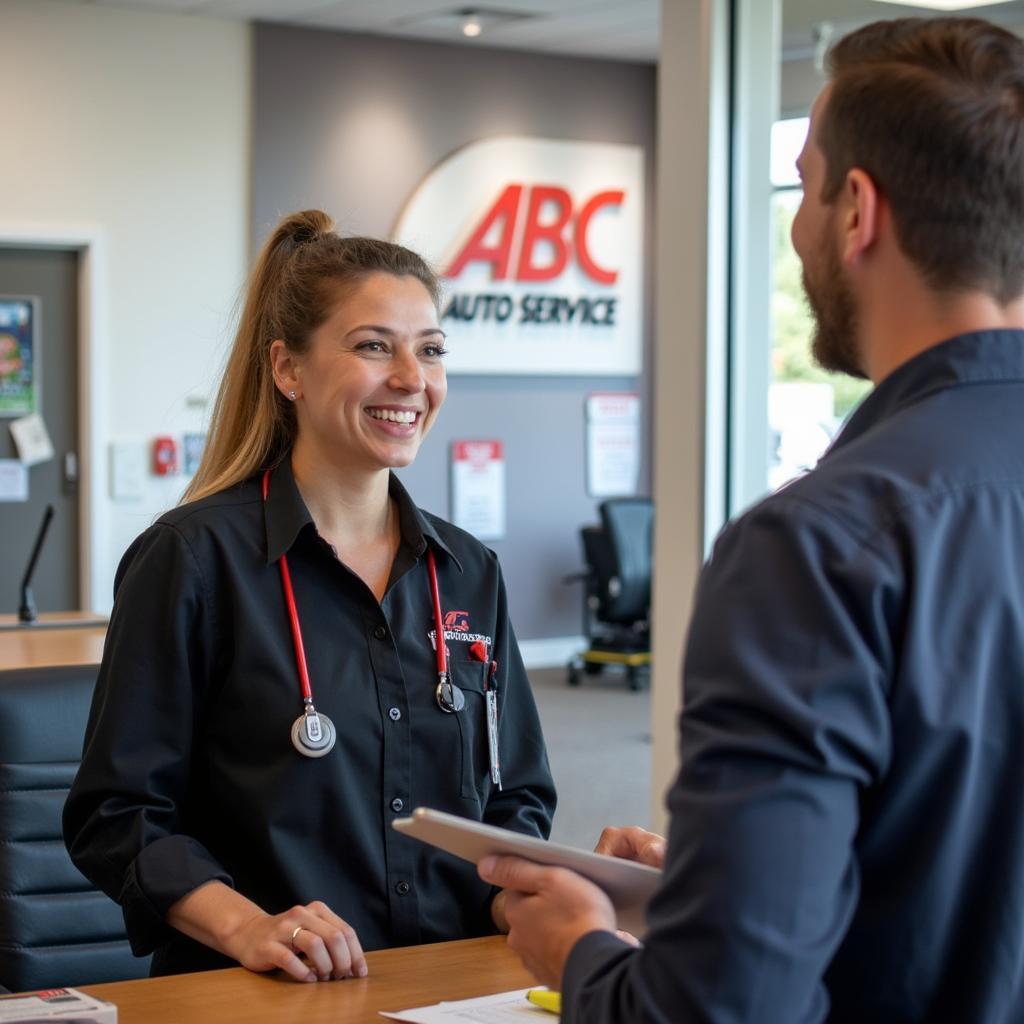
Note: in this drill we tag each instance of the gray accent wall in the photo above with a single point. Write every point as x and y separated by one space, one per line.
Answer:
351 124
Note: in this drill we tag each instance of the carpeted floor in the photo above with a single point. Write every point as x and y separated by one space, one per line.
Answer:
599 742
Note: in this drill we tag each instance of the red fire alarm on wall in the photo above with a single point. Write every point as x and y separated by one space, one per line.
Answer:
165 456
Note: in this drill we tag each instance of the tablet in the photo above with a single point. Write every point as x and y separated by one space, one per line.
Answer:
629 885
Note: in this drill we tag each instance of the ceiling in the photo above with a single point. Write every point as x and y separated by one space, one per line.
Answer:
615 29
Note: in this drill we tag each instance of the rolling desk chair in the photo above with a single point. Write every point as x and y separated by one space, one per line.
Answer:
617 597
55 929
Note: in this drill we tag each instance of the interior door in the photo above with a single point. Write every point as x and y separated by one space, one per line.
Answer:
51 276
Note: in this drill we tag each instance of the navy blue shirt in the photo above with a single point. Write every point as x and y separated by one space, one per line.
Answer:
189 773
847 827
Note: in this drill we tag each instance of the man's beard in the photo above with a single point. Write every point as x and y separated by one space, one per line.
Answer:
835 313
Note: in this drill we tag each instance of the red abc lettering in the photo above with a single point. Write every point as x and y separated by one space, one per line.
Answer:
498 255
583 257
551 233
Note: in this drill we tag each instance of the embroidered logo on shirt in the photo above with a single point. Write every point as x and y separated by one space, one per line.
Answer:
456 627
456 620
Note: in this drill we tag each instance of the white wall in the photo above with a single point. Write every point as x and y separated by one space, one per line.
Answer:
135 124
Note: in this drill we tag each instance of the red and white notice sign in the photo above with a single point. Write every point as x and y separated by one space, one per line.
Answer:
613 444
478 488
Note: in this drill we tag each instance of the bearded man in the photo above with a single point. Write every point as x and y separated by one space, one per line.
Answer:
846 835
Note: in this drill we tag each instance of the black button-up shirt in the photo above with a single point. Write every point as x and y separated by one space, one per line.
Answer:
847 835
189 773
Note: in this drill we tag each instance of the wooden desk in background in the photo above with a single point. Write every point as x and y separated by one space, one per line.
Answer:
399 979
54 620
35 646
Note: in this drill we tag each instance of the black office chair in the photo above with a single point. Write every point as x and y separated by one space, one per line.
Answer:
617 595
55 929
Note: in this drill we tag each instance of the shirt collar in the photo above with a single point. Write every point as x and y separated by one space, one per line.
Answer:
416 528
285 515
981 357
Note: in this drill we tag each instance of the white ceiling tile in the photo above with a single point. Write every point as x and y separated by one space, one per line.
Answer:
617 29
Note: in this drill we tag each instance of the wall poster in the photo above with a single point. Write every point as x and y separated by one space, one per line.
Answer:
613 444
478 488
19 355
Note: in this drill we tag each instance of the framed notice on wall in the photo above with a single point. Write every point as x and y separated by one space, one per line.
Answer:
19 355
478 488
613 444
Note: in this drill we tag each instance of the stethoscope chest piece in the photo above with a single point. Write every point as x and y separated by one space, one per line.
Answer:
313 734
449 697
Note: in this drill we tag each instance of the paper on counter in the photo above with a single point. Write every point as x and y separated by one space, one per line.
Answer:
54 1005
503 1008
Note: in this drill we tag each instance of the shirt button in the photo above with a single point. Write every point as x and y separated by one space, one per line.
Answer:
380 632
403 888
397 805
394 714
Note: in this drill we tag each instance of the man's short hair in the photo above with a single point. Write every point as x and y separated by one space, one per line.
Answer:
933 110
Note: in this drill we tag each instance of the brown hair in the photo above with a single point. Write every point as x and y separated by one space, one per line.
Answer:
291 290
933 110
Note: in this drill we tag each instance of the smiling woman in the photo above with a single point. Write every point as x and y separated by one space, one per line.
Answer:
233 818
371 379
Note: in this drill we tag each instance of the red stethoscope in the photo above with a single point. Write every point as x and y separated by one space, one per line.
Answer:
313 733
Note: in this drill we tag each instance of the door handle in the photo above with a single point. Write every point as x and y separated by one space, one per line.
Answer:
69 474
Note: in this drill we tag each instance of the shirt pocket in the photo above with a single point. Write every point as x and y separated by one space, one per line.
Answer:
470 677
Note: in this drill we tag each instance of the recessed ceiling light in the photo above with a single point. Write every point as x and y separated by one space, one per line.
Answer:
944 5
469 22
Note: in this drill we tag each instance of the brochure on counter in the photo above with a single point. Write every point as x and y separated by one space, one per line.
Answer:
54 1006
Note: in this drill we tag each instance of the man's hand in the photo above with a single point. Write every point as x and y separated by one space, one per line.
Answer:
548 910
498 912
632 844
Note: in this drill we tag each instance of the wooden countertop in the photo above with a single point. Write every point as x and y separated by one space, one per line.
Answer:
399 979
54 620
33 647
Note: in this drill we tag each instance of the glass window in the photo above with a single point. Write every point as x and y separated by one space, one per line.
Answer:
806 405
783 409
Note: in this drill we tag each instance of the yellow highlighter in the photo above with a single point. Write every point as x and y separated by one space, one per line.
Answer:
546 999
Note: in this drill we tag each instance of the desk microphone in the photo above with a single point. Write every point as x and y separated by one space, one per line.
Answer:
27 610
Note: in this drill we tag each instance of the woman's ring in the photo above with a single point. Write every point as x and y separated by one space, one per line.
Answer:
296 932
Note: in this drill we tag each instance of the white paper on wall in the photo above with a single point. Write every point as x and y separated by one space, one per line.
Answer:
13 480
478 488
613 444
127 470
32 439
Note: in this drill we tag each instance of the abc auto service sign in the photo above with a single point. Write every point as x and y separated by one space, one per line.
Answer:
539 244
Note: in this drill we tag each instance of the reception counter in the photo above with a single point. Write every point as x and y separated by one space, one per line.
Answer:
399 979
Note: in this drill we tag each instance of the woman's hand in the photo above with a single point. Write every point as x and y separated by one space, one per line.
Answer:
229 922
633 843
329 944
